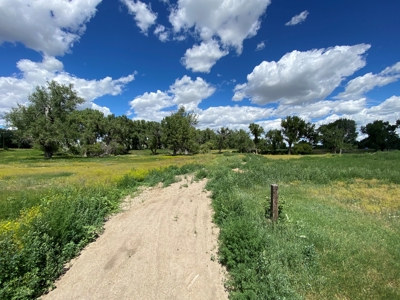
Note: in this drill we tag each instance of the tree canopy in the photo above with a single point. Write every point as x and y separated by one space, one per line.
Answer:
43 120
381 135
293 129
256 130
178 131
52 122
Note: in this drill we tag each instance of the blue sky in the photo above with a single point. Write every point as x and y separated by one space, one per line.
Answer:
234 62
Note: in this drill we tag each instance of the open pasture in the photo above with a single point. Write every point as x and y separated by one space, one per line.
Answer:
338 233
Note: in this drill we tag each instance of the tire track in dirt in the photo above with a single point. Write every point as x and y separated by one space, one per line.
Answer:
161 247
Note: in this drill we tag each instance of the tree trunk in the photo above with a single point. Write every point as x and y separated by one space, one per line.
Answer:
290 149
174 153
48 153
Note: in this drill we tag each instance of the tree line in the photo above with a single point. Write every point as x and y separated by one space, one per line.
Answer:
51 122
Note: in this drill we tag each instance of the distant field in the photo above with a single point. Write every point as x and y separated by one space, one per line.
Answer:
25 174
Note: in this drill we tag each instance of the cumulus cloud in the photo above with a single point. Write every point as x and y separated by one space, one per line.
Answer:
201 58
161 33
231 21
232 116
15 89
321 109
189 92
260 46
358 86
47 26
300 77
388 110
185 91
297 19
142 14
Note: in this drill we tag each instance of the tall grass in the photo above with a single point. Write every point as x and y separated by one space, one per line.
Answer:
326 245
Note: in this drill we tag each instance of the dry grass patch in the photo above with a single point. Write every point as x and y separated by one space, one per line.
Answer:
372 196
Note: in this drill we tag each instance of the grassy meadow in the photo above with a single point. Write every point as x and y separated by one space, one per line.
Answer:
338 236
50 209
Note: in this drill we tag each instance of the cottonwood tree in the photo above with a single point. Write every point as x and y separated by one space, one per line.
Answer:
274 139
88 126
293 129
381 135
243 142
340 134
256 130
178 132
222 137
154 134
44 119
311 135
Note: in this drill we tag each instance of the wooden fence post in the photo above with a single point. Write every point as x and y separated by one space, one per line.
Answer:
274 202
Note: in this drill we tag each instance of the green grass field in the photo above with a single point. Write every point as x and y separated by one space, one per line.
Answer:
337 237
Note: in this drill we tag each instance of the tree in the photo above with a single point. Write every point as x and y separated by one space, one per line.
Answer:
256 130
274 139
293 129
349 130
178 131
222 136
381 135
44 119
154 134
332 137
207 136
88 126
311 135
243 141
338 135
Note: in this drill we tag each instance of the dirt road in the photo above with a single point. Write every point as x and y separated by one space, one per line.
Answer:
163 246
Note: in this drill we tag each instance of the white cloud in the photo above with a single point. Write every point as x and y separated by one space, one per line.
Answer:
297 19
260 46
47 26
232 116
16 89
358 86
231 21
105 110
201 58
270 124
321 109
161 33
395 69
190 93
300 77
149 106
388 110
142 13
184 91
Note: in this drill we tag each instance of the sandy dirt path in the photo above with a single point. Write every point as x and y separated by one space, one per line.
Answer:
161 247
